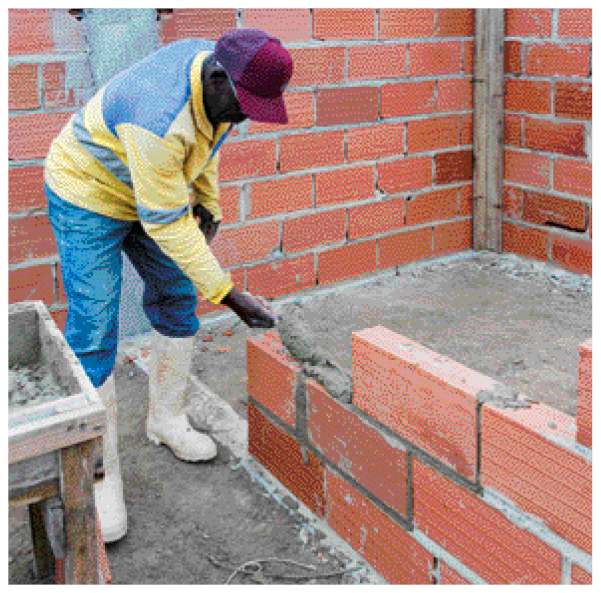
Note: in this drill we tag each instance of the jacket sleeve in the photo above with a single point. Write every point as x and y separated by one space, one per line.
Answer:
205 190
163 206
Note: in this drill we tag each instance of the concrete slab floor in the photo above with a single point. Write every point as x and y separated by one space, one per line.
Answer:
516 320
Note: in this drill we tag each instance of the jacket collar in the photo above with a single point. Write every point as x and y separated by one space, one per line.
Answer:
200 116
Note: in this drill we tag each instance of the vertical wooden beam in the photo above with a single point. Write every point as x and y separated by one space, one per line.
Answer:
488 127
77 479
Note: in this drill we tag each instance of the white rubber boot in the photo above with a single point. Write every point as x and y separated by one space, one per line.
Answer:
170 363
108 493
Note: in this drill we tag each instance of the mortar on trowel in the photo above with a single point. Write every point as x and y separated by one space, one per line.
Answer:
301 343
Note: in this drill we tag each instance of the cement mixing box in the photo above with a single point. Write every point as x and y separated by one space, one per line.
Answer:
55 425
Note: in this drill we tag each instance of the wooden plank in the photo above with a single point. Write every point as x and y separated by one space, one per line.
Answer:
77 494
23 334
488 127
43 557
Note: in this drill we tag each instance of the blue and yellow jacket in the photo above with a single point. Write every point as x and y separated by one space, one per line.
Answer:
140 148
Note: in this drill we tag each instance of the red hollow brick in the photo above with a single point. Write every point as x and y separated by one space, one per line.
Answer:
573 177
348 105
525 241
531 96
433 134
408 98
522 458
528 22
344 185
552 59
452 237
453 167
426 398
30 238
60 318
26 189
30 136
283 277
299 234
575 22
435 58
455 22
23 87
304 151
272 375
437 205
449 576
574 254
289 25
574 100
317 65
513 57
229 204
250 158
581 576
554 137
234 247
34 283
407 22
584 416
379 217
479 535
373 534
282 456
346 262
358 449
281 195
404 175
455 94
528 168
377 61
546 209
205 23
512 130
405 247
344 23
375 142
29 31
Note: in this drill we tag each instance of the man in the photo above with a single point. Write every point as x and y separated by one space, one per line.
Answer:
119 177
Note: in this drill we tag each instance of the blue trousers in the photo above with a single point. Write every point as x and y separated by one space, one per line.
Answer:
89 246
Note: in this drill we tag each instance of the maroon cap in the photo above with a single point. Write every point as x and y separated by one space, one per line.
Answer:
260 68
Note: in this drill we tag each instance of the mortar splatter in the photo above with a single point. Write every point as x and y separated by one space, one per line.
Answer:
301 343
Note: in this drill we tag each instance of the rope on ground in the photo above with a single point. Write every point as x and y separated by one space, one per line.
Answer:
255 568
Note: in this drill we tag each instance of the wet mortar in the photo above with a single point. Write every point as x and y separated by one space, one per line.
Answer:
31 385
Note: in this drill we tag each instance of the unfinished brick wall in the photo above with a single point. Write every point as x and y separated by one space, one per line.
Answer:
374 169
424 475
548 160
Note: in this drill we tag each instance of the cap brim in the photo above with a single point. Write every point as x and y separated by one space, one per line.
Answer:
263 109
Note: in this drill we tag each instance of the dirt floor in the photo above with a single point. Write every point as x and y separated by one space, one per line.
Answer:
516 320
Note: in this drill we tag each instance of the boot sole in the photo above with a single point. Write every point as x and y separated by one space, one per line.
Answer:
158 442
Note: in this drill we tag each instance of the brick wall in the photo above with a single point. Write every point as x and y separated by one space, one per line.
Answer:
374 169
48 80
425 475
548 160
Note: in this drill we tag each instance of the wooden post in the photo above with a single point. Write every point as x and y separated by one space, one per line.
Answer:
77 479
488 127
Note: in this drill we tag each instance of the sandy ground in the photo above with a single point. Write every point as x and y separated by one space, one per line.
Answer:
514 320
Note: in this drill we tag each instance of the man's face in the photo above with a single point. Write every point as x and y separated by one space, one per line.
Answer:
223 104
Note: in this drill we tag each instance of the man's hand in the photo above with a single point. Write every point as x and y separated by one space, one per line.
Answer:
205 222
253 310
